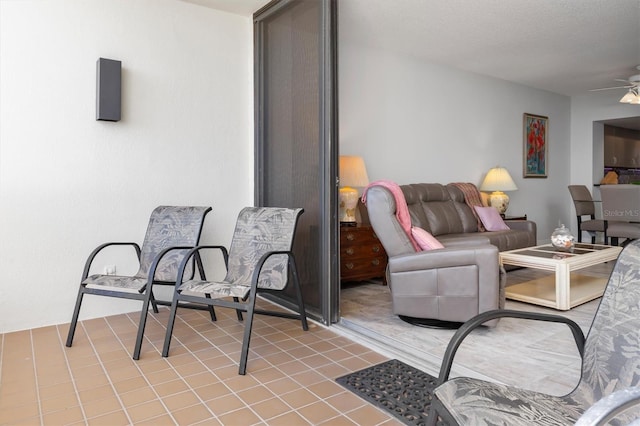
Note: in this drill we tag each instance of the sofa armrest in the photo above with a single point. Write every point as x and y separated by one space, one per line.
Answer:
444 281
444 258
471 239
522 225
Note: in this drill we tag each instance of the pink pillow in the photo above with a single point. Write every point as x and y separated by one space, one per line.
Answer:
491 219
425 240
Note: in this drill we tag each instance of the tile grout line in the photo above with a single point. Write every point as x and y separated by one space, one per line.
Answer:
35 376
73 382
142 373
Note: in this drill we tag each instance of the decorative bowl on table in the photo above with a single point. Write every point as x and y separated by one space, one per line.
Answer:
562 239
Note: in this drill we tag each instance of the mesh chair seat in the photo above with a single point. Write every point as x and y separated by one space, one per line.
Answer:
215 289
116 283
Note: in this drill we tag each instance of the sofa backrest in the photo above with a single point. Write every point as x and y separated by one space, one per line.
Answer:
381 207
439 209
469 220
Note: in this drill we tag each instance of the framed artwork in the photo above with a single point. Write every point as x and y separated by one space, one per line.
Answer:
536 150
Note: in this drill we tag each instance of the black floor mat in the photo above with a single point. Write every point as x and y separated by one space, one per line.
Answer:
403 391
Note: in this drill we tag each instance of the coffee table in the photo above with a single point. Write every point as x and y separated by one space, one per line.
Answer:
565 289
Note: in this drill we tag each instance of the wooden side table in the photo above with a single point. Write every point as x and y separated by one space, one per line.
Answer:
521 217
362 256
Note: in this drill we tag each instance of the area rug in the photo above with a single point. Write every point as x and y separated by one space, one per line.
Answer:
401 390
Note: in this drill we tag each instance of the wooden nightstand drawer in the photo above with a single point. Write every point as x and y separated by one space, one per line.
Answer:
362 256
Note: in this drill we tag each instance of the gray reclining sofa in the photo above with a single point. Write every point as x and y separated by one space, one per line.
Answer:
451 284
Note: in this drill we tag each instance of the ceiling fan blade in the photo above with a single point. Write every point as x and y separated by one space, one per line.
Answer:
610 88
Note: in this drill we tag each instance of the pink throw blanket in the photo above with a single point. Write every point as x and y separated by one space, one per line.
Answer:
402 211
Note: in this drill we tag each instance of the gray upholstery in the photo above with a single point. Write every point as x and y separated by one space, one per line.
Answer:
585 206
172 230
621 210
442 211
611 362
450 284
260 259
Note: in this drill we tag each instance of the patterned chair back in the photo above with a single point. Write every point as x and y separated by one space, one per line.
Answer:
612 351
170 226
260 230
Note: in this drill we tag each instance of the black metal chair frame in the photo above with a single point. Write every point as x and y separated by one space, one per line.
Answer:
247 305
436 408
145 295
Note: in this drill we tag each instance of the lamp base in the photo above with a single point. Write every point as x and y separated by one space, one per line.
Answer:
500 201
348 204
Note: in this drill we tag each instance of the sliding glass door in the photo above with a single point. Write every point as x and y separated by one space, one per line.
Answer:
296 136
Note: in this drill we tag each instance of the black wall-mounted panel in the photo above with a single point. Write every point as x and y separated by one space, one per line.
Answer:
108 89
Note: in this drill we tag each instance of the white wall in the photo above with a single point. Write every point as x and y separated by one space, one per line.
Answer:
414 121
69 182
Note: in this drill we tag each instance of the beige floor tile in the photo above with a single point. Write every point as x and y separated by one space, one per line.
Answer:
193 415
164 420
101 392
63 417
255 394
171 387
289 419
12 414
318 412
299 398
270 408
116 418
101 407
138 396
243 416
60 402
130 384
224 404
146 411
180 400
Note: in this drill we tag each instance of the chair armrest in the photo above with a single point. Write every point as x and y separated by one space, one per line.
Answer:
195 251
94 253
441 258
609 407
480 319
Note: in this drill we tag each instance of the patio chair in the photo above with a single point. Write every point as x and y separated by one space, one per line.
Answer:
259 260
171 232
585 206
610 362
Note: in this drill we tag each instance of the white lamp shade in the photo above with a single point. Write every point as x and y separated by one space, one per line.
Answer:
498 179
353 171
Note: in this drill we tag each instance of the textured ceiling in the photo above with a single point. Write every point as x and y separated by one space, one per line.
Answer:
562 46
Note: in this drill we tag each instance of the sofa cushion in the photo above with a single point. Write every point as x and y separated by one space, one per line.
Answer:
425 240
491 219
432 209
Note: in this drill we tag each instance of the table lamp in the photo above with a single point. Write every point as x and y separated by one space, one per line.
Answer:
498 180
353 173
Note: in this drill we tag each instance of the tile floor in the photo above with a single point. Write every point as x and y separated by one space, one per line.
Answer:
289 381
